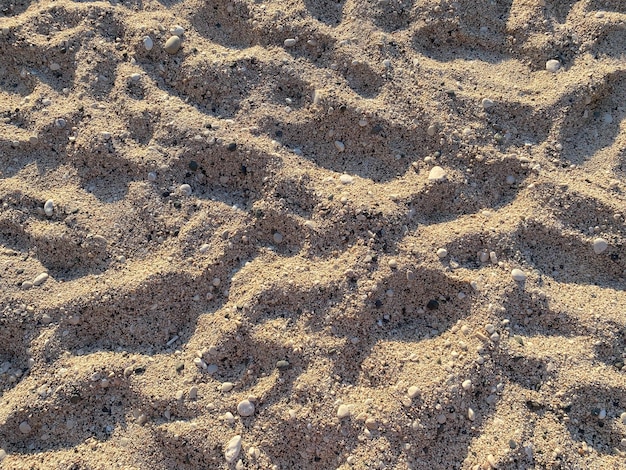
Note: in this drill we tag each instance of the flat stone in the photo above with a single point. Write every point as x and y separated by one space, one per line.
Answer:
290 42
346 179
437 174
518 275
278 237
172 45
177 30
3 454
339 145
25 427
232 449
245 408
600 245
413 391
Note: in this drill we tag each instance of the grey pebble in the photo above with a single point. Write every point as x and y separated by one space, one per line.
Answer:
245 408
172 45
148 43
278 237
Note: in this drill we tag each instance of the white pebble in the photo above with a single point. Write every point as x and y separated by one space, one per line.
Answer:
339 145
48 207
437 174
177 30
622 417
227 387
232 449
25 428
442 253
290 42
346 179
553 65
518 275
470 414
245 408
40 279
148 43
599 245
467 384
185 189
3 454
413 391
344 411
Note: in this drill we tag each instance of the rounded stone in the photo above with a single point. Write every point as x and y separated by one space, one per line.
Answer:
245 408
518 275
290 42
48 207
25 428
413 391
442 253
278 237
346 179
40 279
553 65
172 45
185 189
339 145
344 411
487 103
177 30
600 245
148 43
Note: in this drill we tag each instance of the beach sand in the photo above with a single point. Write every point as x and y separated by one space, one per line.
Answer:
287 238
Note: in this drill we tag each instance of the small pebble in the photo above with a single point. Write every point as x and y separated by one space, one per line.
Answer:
393 264
152 176
518 275
599 245
48 207
290 42
193 392
510 179
172 45
413 391
442 253
282 364
3 455
232 449
278 237
177 30
227 387
245 408
344 411
470 414
148 43
25 428
40 279
467 384
437 174
346 179
340 145
185 189
553 65
487 103
432 130
622 417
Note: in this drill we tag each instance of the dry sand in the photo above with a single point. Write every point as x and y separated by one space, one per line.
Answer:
315 267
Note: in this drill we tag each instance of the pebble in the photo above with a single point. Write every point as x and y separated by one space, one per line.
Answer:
177 30
60 123
172 45
48 207
227 387
340 145
470 414
185 189
278 237
437 174
393 264
40 279
232 449
518 275
553 65
282 364
344 411
193 392
25 428
148 43
442 253
290 42
432 130
467 384
152 176
599 245
413 391
622 417
245 408
3 454
487 103
346 179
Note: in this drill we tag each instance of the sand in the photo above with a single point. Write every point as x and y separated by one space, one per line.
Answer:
362 179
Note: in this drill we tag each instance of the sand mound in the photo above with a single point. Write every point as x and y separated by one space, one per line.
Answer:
283 234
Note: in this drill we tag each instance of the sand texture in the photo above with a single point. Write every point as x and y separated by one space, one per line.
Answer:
312 234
